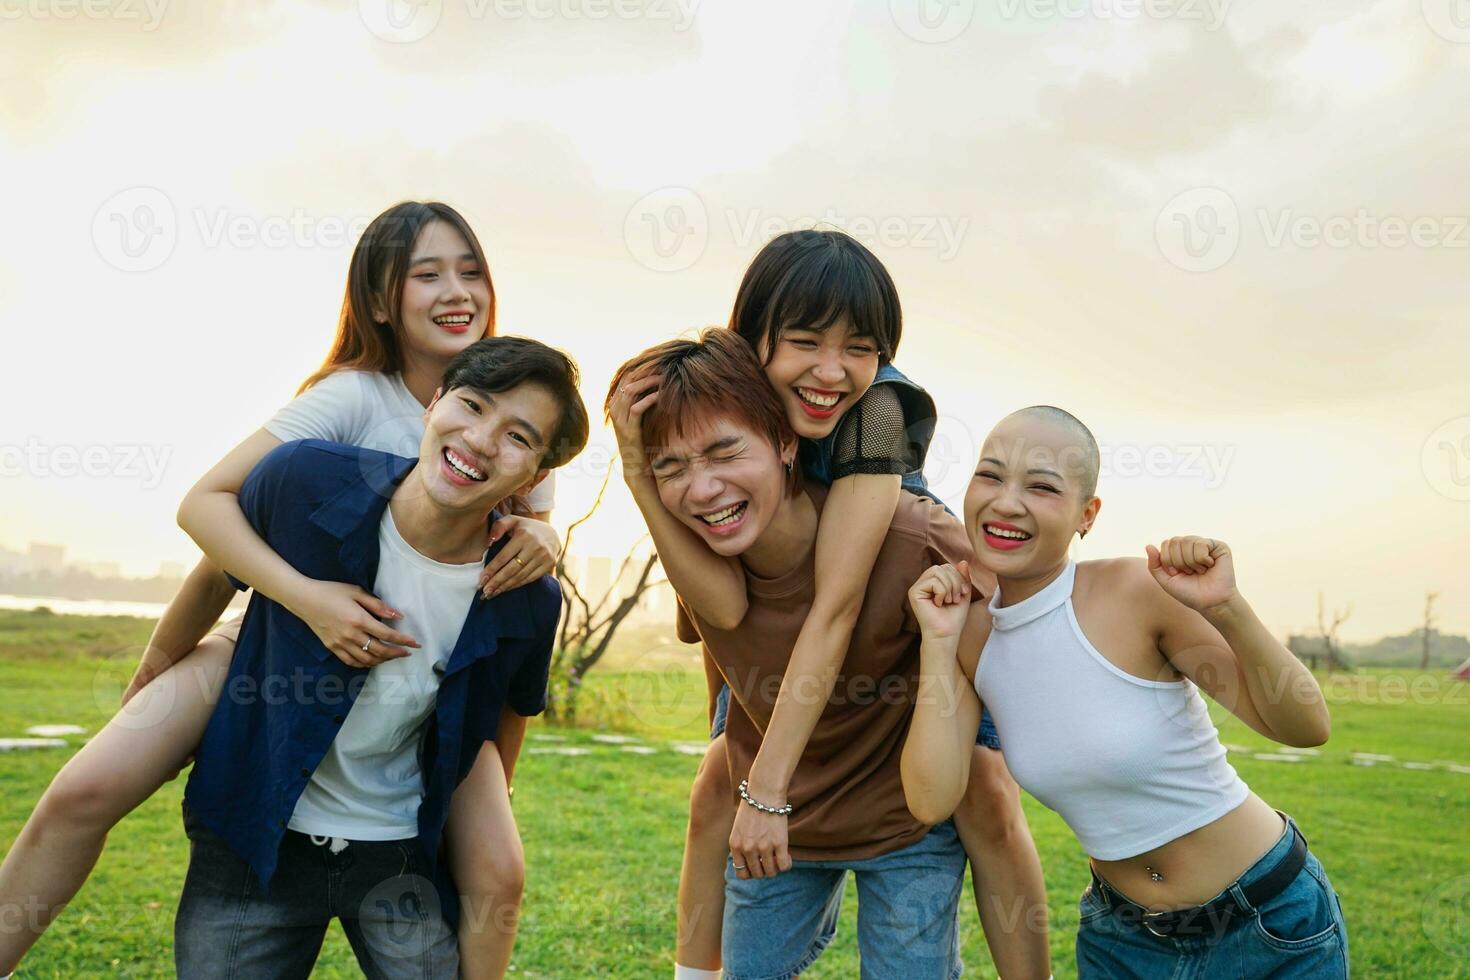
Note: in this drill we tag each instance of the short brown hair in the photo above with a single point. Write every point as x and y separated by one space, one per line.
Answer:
714 374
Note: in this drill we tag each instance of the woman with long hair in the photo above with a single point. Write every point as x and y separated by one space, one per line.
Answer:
418 292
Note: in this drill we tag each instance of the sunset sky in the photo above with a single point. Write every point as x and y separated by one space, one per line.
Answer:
1231 237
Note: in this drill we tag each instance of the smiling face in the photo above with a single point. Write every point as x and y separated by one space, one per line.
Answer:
445 304
819 374
1031 492
479 447
723 481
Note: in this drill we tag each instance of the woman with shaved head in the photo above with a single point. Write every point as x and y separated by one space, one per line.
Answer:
1092 671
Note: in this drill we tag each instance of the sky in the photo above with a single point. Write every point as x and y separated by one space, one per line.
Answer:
1231 237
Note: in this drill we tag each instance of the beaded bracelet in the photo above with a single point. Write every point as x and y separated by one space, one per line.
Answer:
780 811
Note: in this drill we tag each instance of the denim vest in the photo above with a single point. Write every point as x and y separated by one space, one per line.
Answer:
919 416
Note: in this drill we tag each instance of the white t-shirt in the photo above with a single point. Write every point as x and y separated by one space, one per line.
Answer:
372 410
369 784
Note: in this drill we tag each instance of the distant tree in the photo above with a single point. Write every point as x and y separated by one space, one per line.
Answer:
1429 598
588 623
1330 645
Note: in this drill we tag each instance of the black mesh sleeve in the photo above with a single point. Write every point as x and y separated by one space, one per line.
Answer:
873 437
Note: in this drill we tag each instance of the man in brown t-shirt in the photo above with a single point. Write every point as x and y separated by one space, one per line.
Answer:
729 479
847 795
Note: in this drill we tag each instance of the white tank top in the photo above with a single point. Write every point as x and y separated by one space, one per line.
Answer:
1130 764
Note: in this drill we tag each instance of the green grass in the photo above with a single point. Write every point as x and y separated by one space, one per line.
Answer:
603 832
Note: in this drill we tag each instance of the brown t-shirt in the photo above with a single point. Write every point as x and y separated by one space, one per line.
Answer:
847 791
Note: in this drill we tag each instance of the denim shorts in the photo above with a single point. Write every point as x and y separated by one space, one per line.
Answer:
907 921
987 736
380 890
1299 933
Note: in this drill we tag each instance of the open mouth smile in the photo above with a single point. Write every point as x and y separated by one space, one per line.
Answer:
1004 537
454 322
727 519
461 468
817 402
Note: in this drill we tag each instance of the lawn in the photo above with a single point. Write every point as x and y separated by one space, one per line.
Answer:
603 828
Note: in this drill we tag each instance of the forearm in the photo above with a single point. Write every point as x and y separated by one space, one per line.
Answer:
854 523
214 520
509 737
811 675
192 612
936 754
714 587
1282 689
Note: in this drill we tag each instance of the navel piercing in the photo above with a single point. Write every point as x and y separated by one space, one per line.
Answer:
1153 875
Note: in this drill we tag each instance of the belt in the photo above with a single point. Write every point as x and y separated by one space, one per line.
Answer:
1215 916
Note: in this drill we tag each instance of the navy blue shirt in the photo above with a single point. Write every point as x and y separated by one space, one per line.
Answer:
318 505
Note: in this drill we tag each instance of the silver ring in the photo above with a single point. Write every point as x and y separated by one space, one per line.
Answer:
737 867
367 644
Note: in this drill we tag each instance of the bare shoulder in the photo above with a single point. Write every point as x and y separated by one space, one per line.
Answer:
1122 584
1118 578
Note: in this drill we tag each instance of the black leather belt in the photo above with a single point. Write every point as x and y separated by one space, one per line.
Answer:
1214 917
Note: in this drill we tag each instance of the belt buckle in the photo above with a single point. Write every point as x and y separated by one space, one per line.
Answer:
1148 918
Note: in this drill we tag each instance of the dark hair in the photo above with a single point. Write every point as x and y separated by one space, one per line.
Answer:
377 271
810 279
500 363
714 375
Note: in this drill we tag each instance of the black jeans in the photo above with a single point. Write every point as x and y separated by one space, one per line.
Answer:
381 891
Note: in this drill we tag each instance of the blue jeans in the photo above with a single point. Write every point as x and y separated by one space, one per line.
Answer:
987 736
1300 933
226 926
908 912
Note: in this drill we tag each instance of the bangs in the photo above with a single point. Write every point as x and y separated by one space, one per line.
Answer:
695 393
811 279
683 415
832 285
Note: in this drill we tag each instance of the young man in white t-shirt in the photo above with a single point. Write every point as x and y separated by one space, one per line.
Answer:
320 790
